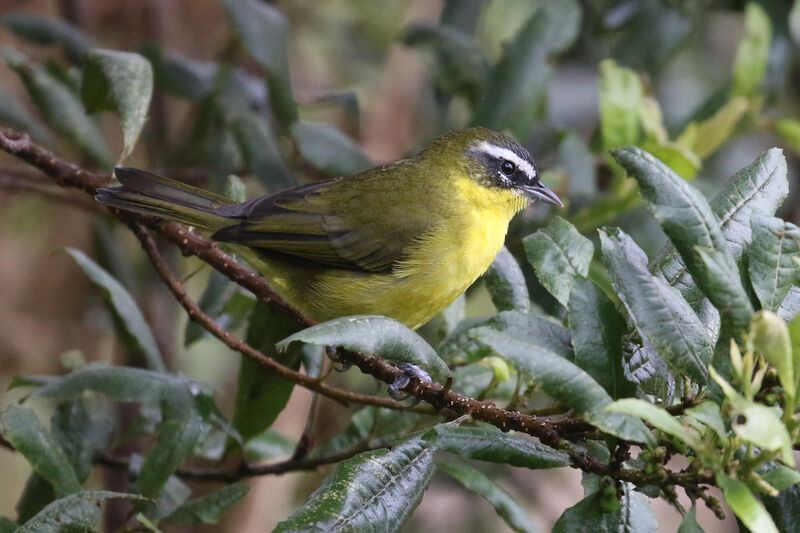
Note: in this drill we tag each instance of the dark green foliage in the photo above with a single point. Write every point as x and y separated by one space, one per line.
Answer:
262 394
516 94
133 328
657 310
631 513
506 284
397 477
47 31
121 81
390 339
477 482
597 335
490 444
208 509
77 512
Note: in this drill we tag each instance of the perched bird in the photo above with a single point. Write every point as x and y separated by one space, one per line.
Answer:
402 240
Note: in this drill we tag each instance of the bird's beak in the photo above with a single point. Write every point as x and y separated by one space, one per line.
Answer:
542 192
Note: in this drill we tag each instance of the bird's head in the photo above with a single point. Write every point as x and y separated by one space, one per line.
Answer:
495 161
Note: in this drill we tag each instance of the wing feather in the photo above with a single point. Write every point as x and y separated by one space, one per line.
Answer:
325 222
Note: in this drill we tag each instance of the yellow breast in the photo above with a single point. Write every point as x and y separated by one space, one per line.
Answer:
438 268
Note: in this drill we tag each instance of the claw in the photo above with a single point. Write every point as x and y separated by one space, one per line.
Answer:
410 372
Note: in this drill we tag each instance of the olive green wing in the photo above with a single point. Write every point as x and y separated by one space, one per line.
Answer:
358 223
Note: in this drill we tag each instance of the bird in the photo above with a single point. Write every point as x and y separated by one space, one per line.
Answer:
402 240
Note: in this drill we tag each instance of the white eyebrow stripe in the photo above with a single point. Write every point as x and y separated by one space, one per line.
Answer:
500 152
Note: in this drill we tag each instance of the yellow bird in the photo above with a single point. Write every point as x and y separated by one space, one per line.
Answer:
402 240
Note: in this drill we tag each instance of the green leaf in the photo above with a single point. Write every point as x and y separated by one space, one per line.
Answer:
380 335
487 443
208 509
705 137
791 304
558 253
771 260
177 437
689 523
372 491
709 414
477 482
779 476
687 219
177 75
264 31
119 384
218 291
375 427
578 163
749 510
131 321
172 495
261 394
633 515
662 317
122 81
464 344
506 283
516 94
28 436
328 149
794 22
46 30
679 158
759 188
7 525
453 315
789 128
762 426
597 330
784 508
268 444
80 435
77 512
260 150
620 93
69 76
567 383
725 285
645 367
36 494
770 337
667 24
13 113
62 110
750 66
461 66
654 415
236 191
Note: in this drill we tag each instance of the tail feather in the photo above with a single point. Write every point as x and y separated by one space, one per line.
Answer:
148 193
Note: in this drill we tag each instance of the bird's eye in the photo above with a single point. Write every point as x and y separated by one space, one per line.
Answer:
507 168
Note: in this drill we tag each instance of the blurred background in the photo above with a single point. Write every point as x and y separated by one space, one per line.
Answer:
388 78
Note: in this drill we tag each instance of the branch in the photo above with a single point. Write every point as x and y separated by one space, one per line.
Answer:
244 470
230 475
12 183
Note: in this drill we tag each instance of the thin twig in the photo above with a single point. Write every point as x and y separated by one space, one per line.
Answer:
232 474
16 184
